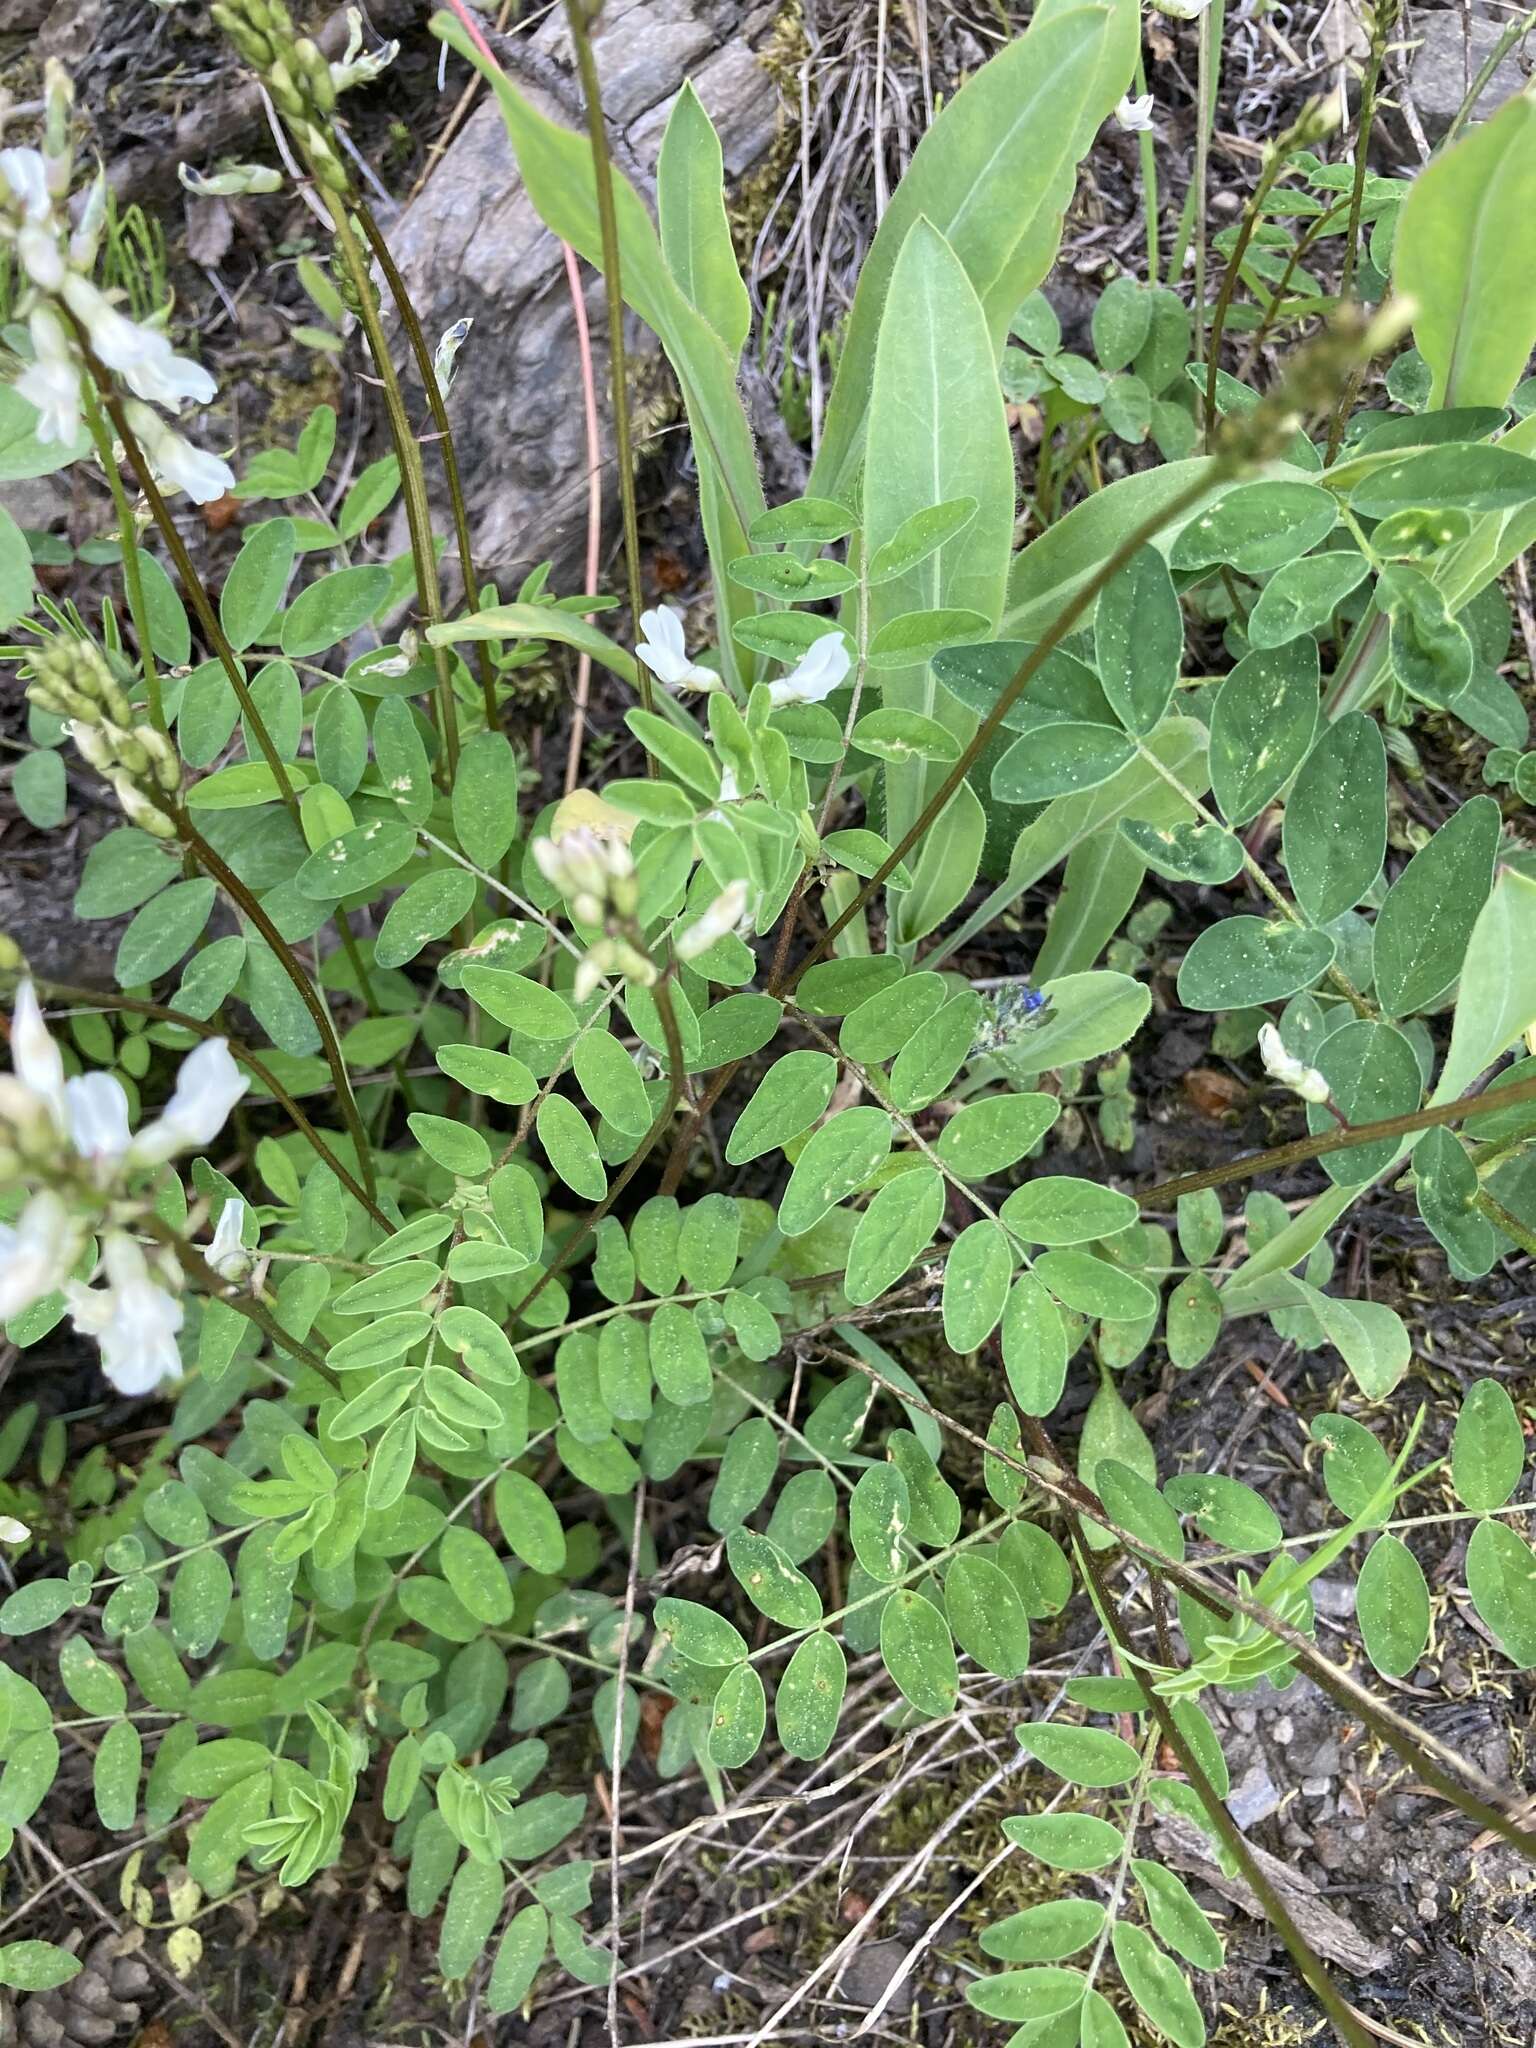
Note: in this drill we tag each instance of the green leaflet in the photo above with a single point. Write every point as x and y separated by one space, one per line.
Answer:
993 177
1461 255
936 423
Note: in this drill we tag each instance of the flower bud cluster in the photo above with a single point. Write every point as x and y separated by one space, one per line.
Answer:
303 85
73 680
596 876
66 312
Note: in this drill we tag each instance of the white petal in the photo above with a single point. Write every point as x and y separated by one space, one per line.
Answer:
25 171
207 1089
817 673
35 1256
227 1253
34 1056
133 1318
98 1117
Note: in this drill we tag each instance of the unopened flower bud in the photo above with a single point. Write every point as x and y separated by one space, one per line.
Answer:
164 761
139 810
58 107
92 745
234 181
130 752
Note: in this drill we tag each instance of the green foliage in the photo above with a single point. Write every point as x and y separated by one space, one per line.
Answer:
481 1305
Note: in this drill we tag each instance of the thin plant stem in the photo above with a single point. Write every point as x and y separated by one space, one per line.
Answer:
427 371
1383 16
193 584
1325 1142
1302 1954
1271 172
133 579
239 894
413 482
1148 154
608 227
64 992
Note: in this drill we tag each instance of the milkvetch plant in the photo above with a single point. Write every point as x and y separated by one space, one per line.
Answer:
582 1149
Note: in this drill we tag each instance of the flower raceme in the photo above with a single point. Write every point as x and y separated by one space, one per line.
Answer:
67 313
74 1135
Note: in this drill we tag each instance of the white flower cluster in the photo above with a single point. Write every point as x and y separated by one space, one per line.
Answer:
814 677
62 304
78 1131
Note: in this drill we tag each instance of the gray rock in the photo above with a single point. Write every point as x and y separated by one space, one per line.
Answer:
1451 54
868 1976
471 245
1253 1798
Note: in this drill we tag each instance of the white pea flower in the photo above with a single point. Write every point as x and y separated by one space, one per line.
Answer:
41 257
24 172
722 916
134 1318
816 674
12 1531
98 1122
51 382
445 355
90 1113
1290 1072
208 1086
202 476
36 1253
226 1252
35 1059
141 355
86 238
666 656
583 862
1135 115
1182 10
354 68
